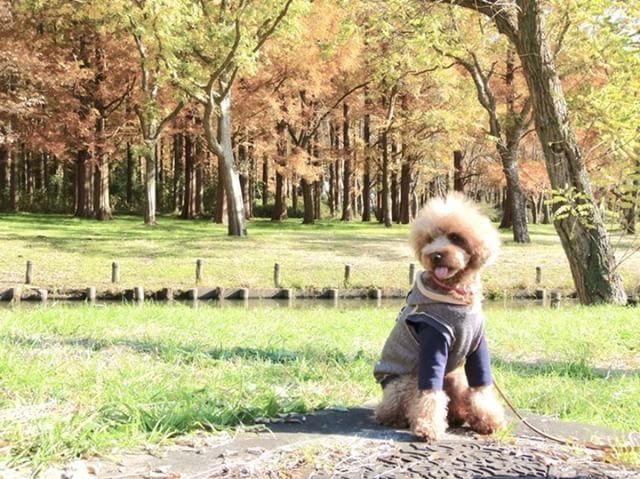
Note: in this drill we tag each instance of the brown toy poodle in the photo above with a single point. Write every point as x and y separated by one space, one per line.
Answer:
434 367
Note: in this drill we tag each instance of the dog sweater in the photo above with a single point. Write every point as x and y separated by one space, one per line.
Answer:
431 338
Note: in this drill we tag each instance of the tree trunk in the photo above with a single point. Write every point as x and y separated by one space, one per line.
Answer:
631 212
386 193
405 191
518 203
507 209
129 177
265 180
177 155
309 209
366 177
332 190
199 156
457 171
101 203
317 197
346 179
220 213
149 155
4 177
189 191
593 265
279 208
293 191
228 174
13 182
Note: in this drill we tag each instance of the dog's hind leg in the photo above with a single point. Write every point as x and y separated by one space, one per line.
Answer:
457 388
391 411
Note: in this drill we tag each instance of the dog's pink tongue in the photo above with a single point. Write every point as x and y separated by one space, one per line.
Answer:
441 272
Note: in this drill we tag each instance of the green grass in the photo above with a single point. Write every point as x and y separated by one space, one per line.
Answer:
122 376
69 252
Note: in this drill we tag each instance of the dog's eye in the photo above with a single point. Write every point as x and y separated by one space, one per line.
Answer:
455 238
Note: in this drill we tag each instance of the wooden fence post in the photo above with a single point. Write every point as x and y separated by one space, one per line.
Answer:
199 268
115 272
276 275
29 273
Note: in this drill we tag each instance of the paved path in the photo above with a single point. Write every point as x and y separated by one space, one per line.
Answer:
347 444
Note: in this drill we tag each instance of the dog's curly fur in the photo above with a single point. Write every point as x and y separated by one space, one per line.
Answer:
465 241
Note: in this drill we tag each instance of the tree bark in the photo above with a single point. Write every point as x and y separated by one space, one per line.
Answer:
265 180
347 212
280 206
149 155
220 213
129 176
309 209
101 201
457 171
189 191
221 145
405 191
366 177
507 209
386 193
178 146
4 176
631 213
13 182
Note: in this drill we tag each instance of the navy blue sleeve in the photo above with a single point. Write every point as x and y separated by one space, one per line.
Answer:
477 367
434 352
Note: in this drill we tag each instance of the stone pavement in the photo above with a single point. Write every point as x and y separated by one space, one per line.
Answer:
347 444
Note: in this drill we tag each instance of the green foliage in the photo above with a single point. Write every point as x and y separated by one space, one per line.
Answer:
568 202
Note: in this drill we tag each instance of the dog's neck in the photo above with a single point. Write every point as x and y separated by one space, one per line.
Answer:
467 288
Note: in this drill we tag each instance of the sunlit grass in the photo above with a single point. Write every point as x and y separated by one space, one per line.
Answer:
69 252
122 376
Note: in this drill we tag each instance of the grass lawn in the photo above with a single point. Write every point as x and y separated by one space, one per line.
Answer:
69 252
81 380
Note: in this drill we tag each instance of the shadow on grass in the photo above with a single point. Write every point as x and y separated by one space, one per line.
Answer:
188 353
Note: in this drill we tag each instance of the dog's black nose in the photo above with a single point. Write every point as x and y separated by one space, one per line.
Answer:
436 258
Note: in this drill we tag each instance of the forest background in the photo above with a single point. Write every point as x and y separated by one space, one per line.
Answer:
353 110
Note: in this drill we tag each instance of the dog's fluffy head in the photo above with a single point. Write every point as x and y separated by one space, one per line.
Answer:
452 239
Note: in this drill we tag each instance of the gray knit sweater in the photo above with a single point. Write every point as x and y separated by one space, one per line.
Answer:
461 326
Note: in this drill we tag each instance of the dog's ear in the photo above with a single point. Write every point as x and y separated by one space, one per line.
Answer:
485 251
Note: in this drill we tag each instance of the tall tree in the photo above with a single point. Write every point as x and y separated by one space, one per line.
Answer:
583 237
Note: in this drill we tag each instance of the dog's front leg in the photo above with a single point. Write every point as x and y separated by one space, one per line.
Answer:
486 414
427 414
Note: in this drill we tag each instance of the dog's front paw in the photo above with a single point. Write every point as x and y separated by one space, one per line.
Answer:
428 431
485 424
486 413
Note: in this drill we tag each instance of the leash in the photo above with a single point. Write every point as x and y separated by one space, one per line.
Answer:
567 442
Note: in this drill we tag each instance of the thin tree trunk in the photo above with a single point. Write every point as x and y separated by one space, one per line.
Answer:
457 171
386 193
150 208
265 180
129 177
177 161
13 182
189 192
346 180
366 178
405 191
